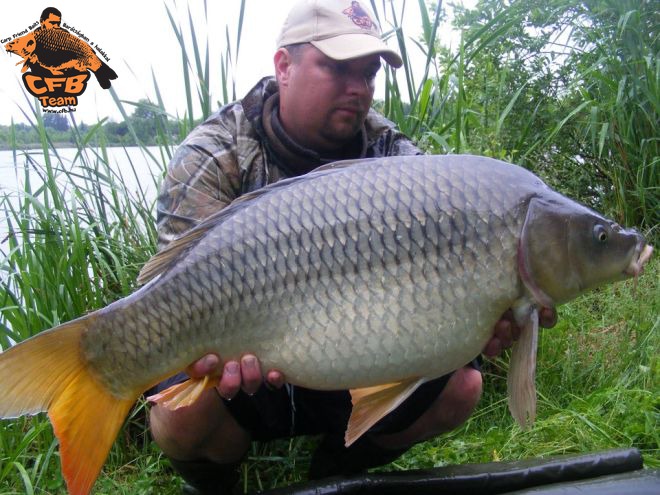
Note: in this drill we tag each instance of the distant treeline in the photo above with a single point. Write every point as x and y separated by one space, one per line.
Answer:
146 125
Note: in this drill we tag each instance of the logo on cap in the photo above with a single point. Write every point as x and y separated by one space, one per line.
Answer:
358 15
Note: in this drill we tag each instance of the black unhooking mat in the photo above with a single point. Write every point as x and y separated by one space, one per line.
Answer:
612 472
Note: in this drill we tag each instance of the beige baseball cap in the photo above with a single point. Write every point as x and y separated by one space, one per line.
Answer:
341 29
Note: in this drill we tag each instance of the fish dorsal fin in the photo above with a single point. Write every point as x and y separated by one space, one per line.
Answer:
168 256
323 170
161 261
342 164
373 403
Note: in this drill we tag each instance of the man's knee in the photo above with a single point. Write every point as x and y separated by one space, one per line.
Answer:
203 430
465 387
177 437
454 405
457 401
449 411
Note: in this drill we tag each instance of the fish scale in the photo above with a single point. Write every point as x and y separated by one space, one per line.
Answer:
59 40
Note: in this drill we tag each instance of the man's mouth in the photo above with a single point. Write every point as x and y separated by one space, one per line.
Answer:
351 110
350 106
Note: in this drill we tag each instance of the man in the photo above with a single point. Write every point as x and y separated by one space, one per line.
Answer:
51 18
316 111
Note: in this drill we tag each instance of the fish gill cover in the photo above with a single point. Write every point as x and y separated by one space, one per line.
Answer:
56 61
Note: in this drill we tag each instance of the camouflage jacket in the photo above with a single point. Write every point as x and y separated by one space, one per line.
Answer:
237 151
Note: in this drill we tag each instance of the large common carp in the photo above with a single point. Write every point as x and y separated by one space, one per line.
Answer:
364 273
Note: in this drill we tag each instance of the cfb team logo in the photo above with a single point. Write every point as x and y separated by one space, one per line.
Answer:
56 63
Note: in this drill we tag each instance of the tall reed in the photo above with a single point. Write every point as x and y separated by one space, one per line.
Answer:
622 86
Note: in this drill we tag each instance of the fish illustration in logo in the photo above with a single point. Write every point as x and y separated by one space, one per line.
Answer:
58 50
359 16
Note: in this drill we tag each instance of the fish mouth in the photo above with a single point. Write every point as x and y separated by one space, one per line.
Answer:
636 266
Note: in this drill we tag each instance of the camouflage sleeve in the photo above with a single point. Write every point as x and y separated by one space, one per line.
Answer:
202 178
400 145
385 139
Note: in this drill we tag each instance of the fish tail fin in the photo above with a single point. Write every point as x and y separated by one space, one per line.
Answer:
104 74
48 373
522 370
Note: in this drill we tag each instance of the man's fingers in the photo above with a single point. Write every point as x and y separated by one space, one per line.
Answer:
230 382
504 332
508 326
275 379
236 375
207 365
548 317
251 374
493 348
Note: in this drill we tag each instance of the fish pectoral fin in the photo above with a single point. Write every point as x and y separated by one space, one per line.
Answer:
522 368
183 394
373 403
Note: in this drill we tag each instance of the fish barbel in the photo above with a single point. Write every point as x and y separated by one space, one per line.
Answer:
370 275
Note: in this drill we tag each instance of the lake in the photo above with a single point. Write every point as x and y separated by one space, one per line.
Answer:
136 168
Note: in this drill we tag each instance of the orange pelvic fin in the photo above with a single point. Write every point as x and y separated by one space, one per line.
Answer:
373 403
183 394
48 373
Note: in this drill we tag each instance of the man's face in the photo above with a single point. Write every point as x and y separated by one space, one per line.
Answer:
323 102
52 22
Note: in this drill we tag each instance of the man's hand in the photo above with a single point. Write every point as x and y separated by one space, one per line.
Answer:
507 331
235 375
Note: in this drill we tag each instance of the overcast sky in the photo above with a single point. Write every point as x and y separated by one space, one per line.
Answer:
138 38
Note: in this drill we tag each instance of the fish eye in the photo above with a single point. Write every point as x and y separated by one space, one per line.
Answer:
600 233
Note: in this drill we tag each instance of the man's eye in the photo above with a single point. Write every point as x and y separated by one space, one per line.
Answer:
330 67
372 72
340 69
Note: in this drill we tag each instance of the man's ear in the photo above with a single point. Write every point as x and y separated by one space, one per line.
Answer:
283 63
